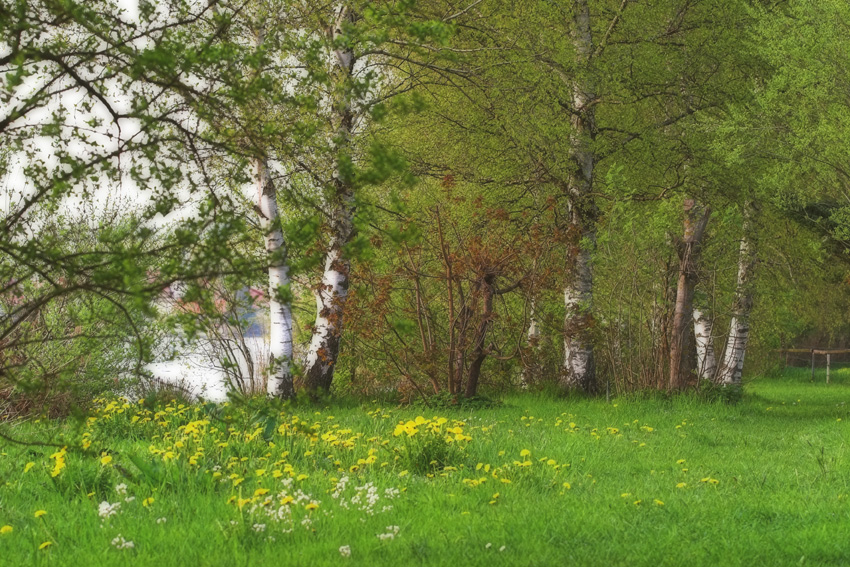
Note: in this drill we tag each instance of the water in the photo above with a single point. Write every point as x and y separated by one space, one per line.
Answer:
196 372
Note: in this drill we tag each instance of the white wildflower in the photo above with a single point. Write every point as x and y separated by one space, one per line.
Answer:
160 520
345 551
121 489
120 543
105 509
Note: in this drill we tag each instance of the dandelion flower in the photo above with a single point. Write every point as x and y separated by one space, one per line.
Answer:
6 530
45 545
524 453
658 502
148 501
105 459
682 485
40 513
28 466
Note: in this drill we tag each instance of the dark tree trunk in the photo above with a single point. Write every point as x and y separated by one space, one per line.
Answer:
682 348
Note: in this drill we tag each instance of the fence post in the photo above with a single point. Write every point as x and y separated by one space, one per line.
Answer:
813 366
827 368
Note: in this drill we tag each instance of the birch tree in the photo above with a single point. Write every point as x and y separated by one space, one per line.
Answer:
732 365
332 292
704 343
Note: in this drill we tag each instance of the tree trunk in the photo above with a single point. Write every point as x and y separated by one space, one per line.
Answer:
331 295
479 352
531 368
682 363
280 310
579 370
739 329
706 361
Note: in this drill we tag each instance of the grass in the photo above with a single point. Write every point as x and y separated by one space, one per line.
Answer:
763 482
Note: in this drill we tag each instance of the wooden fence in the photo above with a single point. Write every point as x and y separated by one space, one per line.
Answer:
814 352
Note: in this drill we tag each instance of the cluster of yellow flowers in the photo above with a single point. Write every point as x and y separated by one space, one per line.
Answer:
451 434
58 461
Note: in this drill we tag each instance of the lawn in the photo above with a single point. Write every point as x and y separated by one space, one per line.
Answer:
534 481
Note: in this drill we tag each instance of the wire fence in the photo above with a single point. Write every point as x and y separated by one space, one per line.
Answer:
828 359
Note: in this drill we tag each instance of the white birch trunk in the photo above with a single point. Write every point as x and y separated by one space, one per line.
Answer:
739 329
531 367
280 311
579 370
706 361
331 295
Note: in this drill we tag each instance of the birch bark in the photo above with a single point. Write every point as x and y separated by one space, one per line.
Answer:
531 367
332 293
739 328
280 310
706 360
579 371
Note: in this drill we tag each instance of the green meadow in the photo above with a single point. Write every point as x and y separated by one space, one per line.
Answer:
535 480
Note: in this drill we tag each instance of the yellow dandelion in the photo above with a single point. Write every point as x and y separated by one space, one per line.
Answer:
28 466
311 506
682 485
105 459
680 462
6 530
524 453
301 477
148 501
40 513
567 485
260 472
261 491
45 545
658 502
